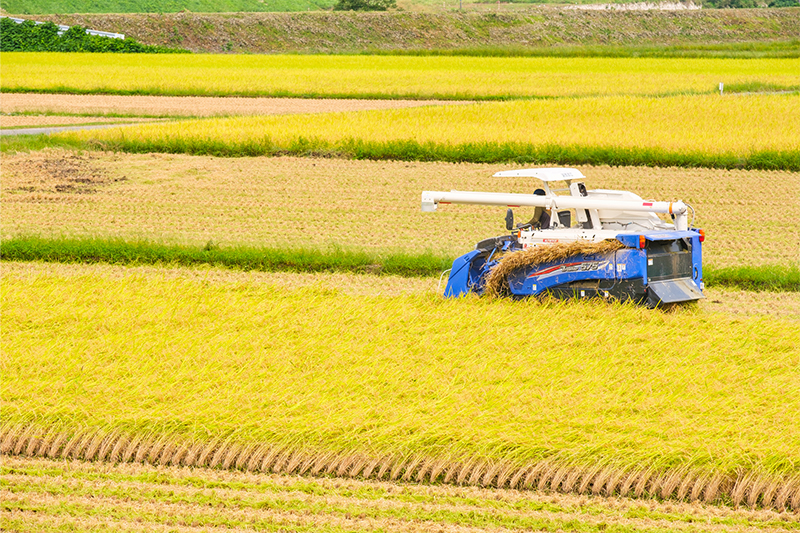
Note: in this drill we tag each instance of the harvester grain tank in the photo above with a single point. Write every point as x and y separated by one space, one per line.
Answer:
580 243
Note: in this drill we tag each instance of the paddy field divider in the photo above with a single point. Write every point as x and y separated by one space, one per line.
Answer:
275 259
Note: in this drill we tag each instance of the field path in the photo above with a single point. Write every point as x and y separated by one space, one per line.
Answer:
41 494
56 129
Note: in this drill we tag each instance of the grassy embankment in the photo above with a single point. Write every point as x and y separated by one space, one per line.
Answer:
149 369
690 131
457 78
39 7
534 30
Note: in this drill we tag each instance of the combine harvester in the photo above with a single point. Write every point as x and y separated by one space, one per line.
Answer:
580 244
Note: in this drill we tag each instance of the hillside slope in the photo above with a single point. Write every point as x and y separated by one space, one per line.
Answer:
23 7
355 32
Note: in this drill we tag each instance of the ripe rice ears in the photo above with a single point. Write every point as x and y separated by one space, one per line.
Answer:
497 279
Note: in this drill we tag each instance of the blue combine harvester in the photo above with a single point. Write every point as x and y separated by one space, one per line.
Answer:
580 244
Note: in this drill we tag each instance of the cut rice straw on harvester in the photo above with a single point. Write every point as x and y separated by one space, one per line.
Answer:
497 279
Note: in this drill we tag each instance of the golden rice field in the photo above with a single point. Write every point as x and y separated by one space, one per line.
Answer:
290 201
690 128
162 398
43 495
384 76
582 397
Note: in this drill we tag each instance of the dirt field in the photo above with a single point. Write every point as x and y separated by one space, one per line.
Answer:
734 301
264 201
41 494
190 105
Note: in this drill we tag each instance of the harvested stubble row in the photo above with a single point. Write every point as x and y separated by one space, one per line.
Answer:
362 76
195 373
325 203
41 493
558 475
693 131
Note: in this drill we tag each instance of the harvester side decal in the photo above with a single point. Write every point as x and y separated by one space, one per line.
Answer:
581 266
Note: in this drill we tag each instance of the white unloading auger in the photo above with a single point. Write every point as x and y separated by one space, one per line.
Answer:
431 199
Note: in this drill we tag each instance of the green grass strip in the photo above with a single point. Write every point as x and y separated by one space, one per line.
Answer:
114 251
32 143
405 150
240 258
524 153
762 277
752 87
281 93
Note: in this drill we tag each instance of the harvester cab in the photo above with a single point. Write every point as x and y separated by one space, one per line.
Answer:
580 243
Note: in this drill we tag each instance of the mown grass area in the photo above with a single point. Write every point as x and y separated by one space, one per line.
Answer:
688 131
406 382
411 77
118 252
39 490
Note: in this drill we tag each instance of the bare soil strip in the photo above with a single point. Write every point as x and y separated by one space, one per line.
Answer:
194 106
783 304
128 496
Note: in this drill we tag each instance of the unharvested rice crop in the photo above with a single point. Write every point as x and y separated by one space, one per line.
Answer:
40 493
193 106
750 216
748 131
718 299
383 76
581 398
